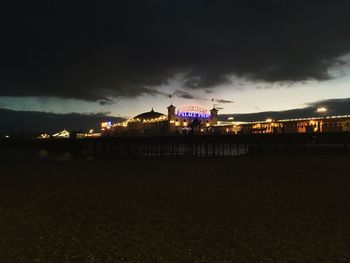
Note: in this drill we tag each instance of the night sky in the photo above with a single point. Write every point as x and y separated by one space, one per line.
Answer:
120 58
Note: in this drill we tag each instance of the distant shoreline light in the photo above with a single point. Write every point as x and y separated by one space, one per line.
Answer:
321 109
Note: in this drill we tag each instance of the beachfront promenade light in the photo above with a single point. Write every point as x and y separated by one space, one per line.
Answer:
321 110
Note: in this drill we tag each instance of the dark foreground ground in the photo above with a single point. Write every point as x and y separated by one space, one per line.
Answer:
243 209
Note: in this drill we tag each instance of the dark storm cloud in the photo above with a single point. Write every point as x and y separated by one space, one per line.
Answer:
334 107
31 121
104 49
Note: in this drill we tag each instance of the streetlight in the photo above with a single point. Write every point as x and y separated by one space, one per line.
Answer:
322 112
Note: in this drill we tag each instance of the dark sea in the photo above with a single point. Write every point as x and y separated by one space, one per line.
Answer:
15 156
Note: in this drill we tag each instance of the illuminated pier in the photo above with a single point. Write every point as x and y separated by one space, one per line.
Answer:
197 120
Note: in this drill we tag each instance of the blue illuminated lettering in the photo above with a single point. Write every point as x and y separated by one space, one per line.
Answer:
193 115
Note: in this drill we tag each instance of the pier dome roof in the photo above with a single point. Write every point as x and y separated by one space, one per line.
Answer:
149 115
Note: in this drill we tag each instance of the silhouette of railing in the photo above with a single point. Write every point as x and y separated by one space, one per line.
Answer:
203 145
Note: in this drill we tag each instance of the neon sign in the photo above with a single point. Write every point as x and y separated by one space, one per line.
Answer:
193 112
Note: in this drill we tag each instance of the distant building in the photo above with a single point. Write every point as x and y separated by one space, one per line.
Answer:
302 125
64 134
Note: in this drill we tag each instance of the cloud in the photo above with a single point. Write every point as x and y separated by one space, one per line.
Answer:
190 95
334 107
77 49
186 95
224 101
105 102
32 121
